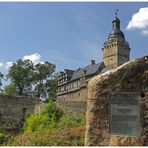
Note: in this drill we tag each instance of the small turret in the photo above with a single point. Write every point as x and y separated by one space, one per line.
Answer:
116 23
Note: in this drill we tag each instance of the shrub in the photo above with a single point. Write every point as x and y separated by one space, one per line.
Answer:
46 119
51 127
36 122
72 121
53 112
2 137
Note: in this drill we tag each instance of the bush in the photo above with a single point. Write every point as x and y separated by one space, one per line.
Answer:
72 121
2 137
46 119
51 127
53 112
36 123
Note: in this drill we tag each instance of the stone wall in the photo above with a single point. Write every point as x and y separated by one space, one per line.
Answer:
13 111
72 107
130 77
73 102
115 53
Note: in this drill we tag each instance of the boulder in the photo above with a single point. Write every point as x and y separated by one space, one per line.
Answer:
129 77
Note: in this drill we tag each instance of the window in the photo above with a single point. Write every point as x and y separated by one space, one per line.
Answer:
24 110
23 116
64 87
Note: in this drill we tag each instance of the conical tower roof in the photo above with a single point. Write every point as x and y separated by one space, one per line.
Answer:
116 32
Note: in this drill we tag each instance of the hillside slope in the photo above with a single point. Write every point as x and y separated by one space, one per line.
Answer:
50 127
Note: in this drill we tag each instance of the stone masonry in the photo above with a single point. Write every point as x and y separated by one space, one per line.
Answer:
129 77
13 111
72 107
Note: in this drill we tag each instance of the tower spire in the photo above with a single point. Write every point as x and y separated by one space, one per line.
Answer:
116 50
116 21
116 12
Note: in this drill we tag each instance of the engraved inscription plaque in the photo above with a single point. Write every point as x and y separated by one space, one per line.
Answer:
124 114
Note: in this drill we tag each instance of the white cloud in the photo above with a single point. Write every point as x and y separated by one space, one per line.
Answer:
139 20
35 58
144 32
8 65
1 64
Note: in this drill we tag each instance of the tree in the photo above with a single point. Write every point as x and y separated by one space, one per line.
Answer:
32 80
52 87
11 89
21 75
1 77
43 73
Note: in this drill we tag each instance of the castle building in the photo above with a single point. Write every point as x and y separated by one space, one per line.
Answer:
72 84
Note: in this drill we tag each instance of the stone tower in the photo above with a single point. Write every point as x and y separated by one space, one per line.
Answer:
116 50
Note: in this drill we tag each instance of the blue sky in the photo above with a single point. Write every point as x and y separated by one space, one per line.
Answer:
67 34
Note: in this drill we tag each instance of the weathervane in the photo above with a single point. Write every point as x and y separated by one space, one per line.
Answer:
116 12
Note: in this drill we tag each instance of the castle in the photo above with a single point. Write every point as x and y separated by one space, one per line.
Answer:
72 84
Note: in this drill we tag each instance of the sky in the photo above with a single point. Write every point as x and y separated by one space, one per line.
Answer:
67 34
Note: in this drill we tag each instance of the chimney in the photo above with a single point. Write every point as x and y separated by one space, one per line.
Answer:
92 62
